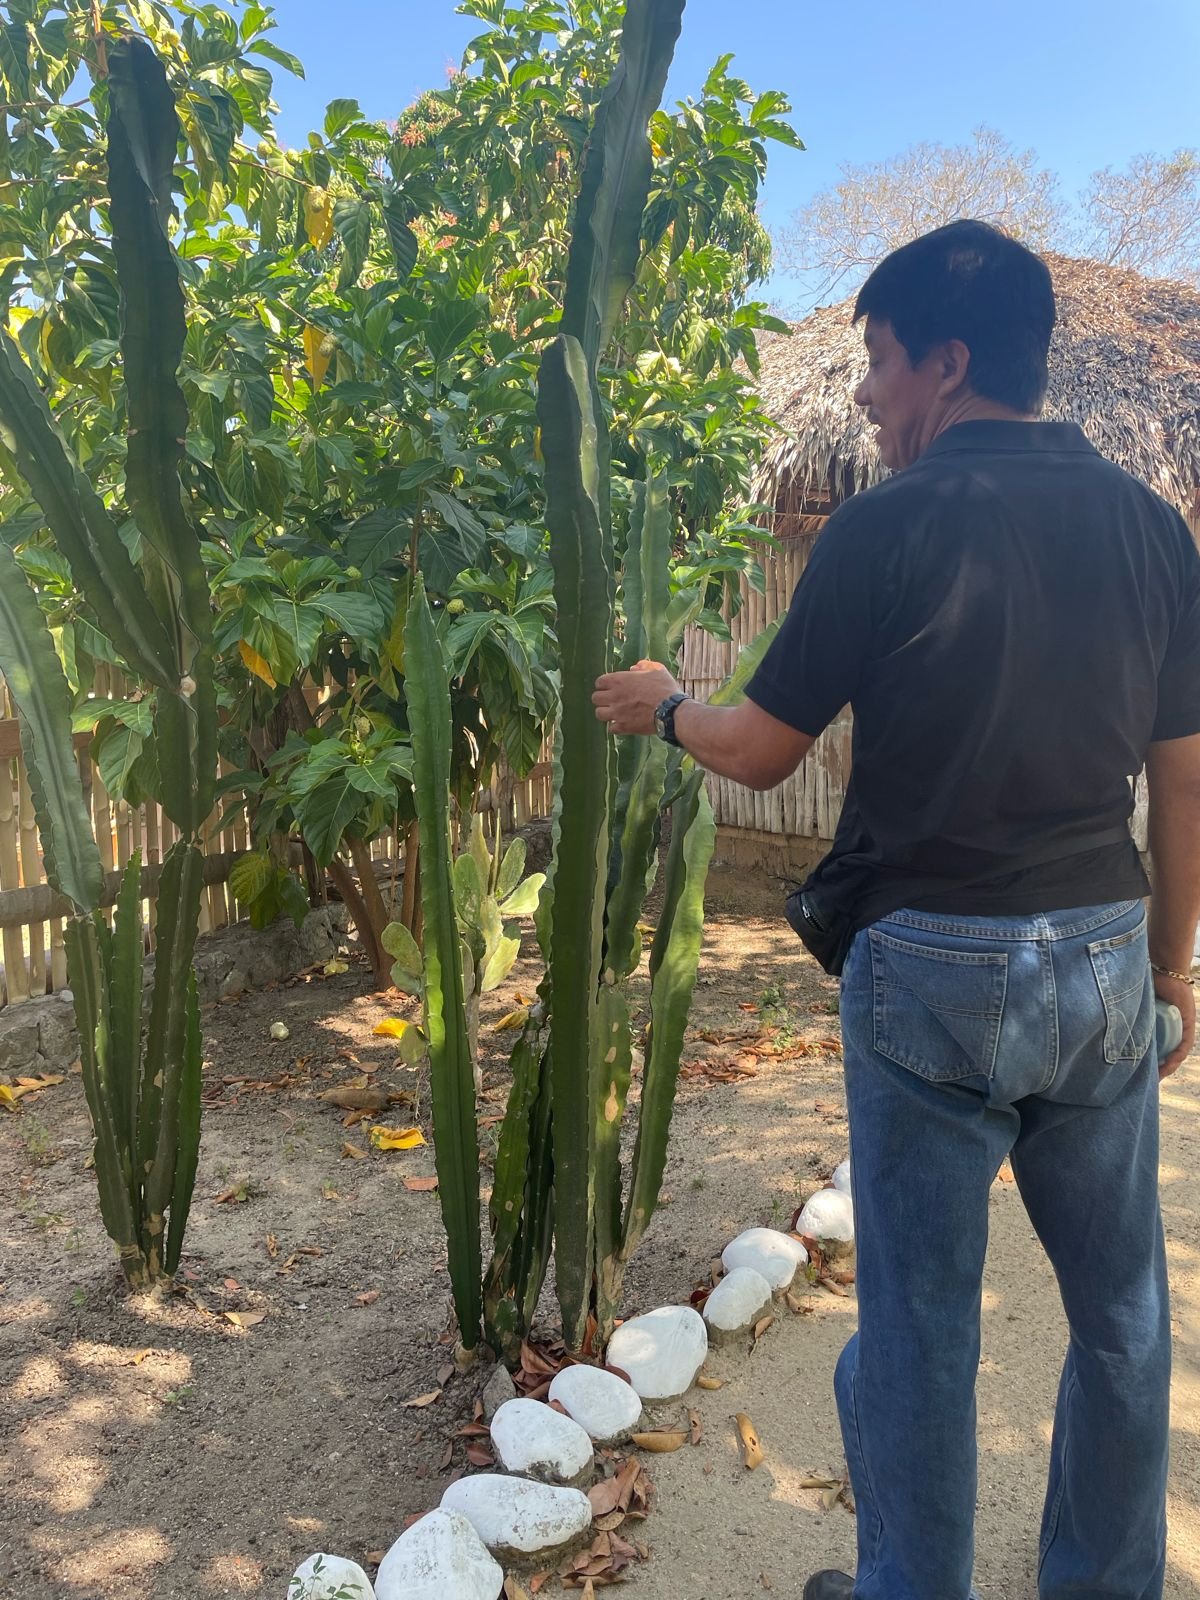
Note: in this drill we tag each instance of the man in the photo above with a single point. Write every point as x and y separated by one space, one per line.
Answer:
1015 623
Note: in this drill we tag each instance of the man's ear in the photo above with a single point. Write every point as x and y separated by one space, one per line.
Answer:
954 365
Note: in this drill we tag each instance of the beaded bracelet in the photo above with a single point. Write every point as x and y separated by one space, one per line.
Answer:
1169 972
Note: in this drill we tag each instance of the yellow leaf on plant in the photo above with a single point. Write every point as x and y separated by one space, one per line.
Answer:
256 664
317 349
512 1019
318 217
396 1138
392 1027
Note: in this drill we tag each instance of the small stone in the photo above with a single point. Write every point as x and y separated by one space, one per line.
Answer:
661 1351
439 1558
736 1303
535 1439
515 1516
279 1030
325 1577
841 1178
828 1215
767 1251
499 1388
67 996
605 1406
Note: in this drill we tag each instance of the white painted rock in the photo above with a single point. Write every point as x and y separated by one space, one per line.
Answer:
439 1558
736 1303
539 1441
770 1253
828 1215
518 1517
324 1577
601 1403
841 1178
661 1351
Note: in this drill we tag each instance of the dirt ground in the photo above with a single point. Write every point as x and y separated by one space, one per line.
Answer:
164 1452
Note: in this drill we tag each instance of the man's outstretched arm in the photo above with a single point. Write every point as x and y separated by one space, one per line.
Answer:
742 742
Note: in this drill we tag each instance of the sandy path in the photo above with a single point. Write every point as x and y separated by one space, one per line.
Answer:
722 1533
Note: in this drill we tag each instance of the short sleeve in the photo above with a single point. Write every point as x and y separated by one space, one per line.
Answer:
814 663
1178 714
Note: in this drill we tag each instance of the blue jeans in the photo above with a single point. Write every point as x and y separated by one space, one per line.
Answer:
968 1039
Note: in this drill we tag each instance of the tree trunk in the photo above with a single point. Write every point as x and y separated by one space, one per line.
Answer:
374 906
356 907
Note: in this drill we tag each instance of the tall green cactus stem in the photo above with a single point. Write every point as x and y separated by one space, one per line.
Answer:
581 555
451 1062
141 1076
143 137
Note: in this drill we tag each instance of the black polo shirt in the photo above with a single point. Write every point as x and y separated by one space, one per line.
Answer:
1012 619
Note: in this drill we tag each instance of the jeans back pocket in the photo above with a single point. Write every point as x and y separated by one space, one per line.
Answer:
1122 969
937 1011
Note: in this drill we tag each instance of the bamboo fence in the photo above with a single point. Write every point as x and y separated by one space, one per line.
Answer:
32 954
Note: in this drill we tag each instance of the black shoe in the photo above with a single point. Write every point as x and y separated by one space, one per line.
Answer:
829 1586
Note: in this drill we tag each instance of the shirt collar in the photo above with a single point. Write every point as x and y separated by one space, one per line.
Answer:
1012 436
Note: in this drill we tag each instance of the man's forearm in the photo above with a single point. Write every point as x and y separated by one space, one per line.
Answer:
1175 854
722 742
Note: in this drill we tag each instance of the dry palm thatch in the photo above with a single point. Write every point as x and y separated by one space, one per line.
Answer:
1124 365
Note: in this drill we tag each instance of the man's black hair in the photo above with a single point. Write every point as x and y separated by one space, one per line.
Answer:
970 281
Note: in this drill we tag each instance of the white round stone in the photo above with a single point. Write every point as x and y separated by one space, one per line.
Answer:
439 1558
739 1300
518 1516
841 1178
771 1253
605 1406
539 1441
325 1577
661 1351
828 1215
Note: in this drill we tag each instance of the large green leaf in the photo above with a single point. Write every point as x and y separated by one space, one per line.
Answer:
452 1068
38 685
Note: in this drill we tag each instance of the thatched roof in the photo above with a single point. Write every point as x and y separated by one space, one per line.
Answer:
1124 364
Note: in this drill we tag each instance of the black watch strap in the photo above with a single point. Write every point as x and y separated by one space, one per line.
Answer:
664 716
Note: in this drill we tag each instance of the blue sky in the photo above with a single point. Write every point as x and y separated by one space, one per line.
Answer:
1087 83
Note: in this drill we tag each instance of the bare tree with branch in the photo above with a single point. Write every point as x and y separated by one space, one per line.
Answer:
838 237
1147 217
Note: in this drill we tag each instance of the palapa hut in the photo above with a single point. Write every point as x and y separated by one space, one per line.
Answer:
1124 364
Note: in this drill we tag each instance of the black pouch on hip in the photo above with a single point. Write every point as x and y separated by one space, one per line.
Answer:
826 929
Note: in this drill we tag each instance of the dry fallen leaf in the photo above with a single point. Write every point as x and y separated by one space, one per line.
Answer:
420 1185
232 1283
332 968
236 1194
368 1298
831 1496
752 1451
246 1319
514 1589
761 1326
354 1151
420 1401
660 1440
516 1018
350 1097
707 1381
374 1557
695 1427
272 1246
396 1138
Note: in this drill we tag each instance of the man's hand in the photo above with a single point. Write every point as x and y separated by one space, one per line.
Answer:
627 701
1183 996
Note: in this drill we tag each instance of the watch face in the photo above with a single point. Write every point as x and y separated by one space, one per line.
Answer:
660 724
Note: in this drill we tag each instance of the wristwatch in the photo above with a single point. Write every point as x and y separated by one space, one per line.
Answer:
664 716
